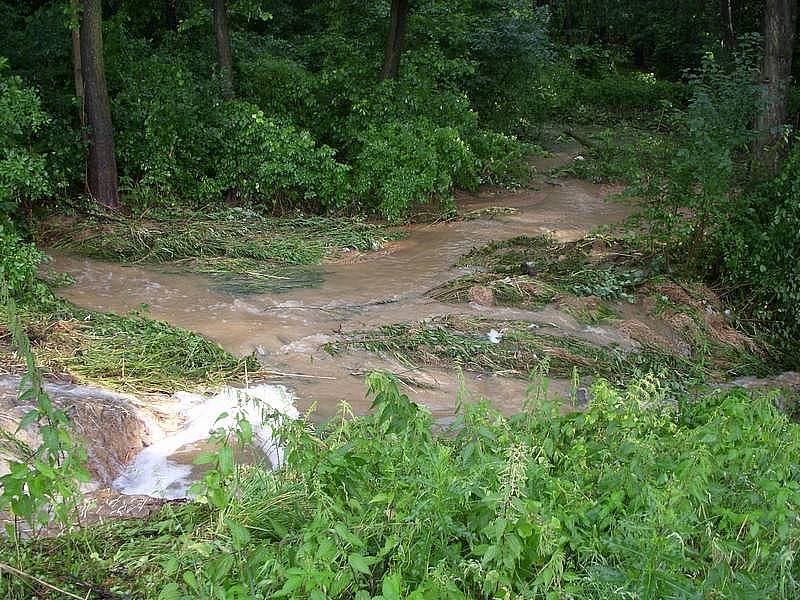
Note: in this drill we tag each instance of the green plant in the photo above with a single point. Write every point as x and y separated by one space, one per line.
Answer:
43 485
23 174
702 176
18 260
639 494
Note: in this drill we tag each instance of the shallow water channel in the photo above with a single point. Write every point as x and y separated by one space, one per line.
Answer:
358 291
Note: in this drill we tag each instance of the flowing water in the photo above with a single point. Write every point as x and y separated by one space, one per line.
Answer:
358 291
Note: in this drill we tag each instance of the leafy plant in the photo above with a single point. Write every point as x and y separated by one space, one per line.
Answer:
43 485
637 494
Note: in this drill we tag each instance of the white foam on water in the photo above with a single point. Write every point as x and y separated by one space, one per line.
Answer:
152 473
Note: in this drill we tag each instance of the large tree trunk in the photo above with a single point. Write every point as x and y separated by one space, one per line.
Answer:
394 43
101 165
780 18
224 56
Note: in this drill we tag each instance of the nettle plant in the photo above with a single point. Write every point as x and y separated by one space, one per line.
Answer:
43 483
702 178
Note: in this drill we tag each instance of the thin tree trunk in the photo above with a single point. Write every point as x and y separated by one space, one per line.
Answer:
780 18
224 55
101 164
171 14
726 15
394 43
77 75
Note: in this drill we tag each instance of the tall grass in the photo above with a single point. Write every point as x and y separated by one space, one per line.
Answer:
638 496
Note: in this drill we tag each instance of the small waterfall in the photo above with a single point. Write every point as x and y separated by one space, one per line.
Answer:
155 471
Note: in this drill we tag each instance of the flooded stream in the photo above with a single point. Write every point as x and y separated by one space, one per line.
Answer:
358 291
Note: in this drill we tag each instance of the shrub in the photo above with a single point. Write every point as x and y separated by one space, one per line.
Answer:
23 176
688 202
760 248
406 162
18 260
264 160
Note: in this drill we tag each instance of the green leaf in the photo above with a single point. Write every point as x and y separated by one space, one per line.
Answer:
358 563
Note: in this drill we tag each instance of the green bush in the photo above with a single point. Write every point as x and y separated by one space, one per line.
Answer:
18 260
23 174
23 177
403 163
264 160
637 496
760 248
701 178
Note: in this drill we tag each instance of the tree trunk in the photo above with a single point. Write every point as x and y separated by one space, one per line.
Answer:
77 75
726 22
171 14
101 165
224 56
394 43
780 17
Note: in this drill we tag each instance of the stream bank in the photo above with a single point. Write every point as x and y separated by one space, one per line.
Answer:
303 335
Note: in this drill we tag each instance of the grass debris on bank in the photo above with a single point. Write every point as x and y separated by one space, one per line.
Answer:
519 348
531 271
244 251
636 496
130 353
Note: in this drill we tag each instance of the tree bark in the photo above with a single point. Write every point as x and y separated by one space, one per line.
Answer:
101 167
394 43
780 18
726 22
77 75
171 14
224 55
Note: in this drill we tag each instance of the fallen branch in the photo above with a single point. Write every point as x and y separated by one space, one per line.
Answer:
298 375
11 570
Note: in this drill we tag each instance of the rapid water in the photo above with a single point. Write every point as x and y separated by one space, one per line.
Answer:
288 331
159 471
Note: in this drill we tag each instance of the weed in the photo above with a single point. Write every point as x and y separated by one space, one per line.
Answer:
634 496
128 353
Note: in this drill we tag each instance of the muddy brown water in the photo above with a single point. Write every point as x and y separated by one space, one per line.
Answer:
359 291
287 331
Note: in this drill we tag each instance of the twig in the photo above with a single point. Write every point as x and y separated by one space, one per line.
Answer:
18 573
571 133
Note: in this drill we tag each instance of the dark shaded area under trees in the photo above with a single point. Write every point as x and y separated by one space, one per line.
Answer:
347 107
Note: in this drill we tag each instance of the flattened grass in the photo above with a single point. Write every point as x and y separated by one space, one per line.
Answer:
463 341
128 353
531 271
241 250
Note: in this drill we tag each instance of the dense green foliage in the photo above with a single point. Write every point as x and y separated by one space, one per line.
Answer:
742 233
656 487
313 127
638 495
23 175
